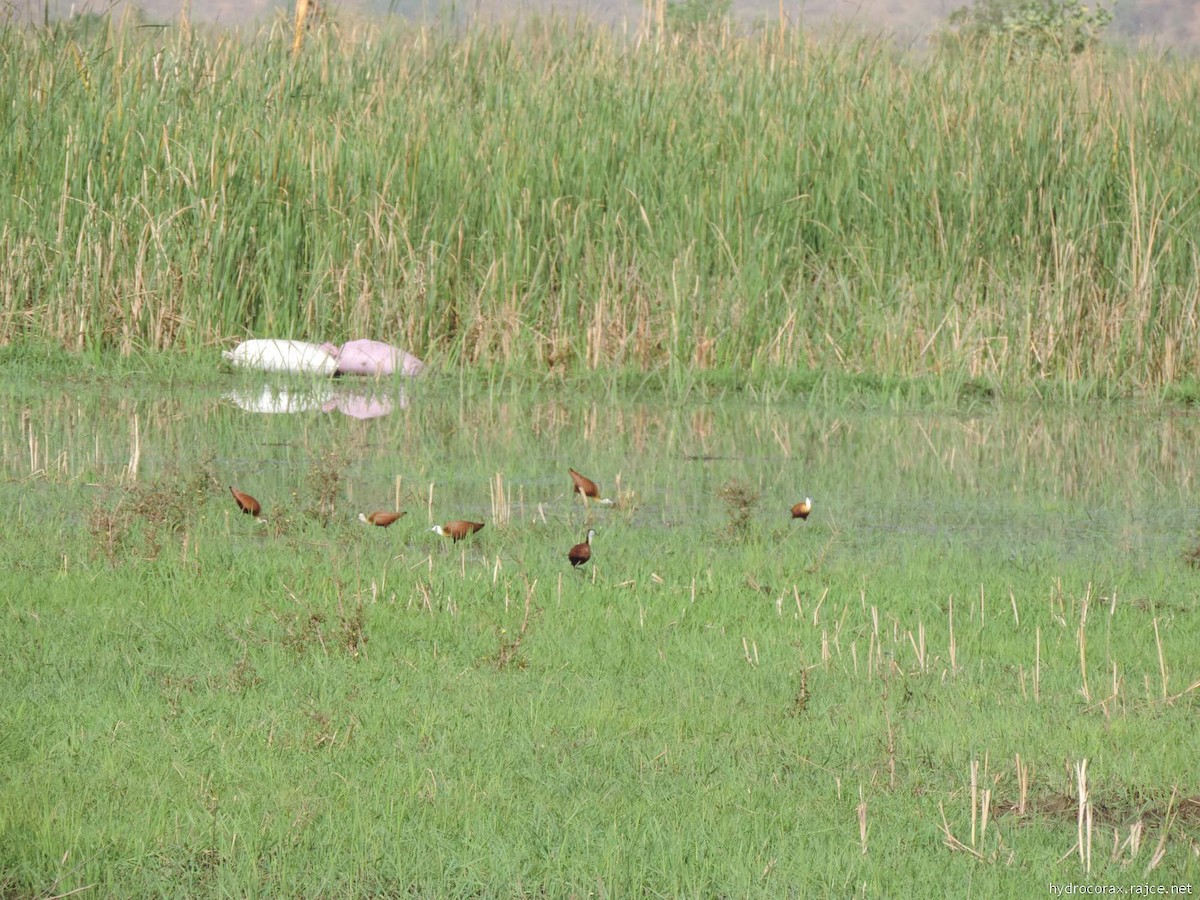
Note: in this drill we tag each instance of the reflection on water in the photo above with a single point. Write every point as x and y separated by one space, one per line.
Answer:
1004 470
320 396
272 400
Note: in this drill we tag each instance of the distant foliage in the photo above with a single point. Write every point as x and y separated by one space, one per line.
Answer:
688 16
1034 27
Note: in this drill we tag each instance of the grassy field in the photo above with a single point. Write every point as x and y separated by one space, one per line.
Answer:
563 197
987 618
715 272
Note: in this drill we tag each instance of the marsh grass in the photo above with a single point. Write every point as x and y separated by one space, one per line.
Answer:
156 511
560 197
895 699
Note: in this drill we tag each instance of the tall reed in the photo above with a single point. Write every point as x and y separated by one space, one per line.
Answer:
563 196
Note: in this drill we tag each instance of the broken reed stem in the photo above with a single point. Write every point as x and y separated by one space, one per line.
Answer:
1160 850
1022 785
921 655
954 843
1084 822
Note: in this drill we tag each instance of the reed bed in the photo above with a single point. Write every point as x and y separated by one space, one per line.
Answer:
565 196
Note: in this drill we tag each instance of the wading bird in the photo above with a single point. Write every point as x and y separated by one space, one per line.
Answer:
457 529
581 553
380 518
246 503
802 509
588 488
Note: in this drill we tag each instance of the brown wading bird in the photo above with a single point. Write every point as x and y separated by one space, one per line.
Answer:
245 502
457 529
581 553
380 518
588 488
802 509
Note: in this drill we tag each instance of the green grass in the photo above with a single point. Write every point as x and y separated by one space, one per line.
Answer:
556 197
199 705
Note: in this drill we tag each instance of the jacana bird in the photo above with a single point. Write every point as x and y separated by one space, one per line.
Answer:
457 529
588 488
802 509
380 518
245 502
581 553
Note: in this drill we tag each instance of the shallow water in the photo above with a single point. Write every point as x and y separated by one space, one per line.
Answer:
1083 478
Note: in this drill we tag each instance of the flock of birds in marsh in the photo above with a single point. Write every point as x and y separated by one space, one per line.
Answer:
457 529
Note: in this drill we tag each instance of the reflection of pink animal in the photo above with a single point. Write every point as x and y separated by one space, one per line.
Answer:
358 406
366 357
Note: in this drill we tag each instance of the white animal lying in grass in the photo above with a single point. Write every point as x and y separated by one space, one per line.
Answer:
272 355
362 357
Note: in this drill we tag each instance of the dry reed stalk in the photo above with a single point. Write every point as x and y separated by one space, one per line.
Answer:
501 508
954 843
1133 843
1022 785
974 800
817 608
862 820
302 10
129 473
1187 690
919 646
1084 819
1160 849
747 648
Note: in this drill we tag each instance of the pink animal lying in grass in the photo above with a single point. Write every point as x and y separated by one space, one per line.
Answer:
365 357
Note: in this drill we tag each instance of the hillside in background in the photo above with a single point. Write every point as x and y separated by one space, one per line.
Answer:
1166 23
